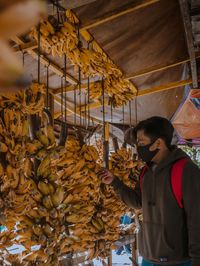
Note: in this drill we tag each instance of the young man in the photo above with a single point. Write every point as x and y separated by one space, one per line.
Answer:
170 234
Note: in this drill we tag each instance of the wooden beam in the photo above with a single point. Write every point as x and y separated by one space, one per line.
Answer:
91 106
114 15
54 68
158 68
26 46
144 92
189 38
69 108
69 88
70 111
165 87
137 74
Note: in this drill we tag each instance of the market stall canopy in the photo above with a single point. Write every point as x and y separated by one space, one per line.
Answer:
145 39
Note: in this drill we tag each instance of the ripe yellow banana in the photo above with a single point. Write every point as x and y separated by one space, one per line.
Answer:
44 166
51 135
42 138
58 196
44 188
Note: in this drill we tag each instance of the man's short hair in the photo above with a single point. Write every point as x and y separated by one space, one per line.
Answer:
129 136
156 127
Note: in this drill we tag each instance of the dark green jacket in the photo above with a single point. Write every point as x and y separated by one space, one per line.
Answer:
169 234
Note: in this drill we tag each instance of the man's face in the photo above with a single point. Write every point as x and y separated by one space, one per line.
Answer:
142 139
147 149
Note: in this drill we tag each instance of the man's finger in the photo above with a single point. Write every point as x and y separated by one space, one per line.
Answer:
104 175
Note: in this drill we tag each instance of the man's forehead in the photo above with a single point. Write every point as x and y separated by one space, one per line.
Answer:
141 135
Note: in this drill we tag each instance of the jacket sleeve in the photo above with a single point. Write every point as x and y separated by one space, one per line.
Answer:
131 197
191 202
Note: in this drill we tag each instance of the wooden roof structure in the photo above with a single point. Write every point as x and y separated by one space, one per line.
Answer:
155 43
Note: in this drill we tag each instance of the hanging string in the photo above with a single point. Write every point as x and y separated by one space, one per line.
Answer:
65 75
88 90
103 99
136 111
39 50
85 116
79 85
23 58
130 114
75 105
62 98
123 117
79 81
88 100
111 113
47 87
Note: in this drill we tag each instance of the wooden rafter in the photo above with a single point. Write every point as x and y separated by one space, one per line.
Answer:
189 38
68 88
54 68
165 87
137 74
93 105
144 92
70 111
158 68
26 46
133 7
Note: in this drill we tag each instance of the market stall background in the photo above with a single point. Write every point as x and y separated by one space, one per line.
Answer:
147 43
123 62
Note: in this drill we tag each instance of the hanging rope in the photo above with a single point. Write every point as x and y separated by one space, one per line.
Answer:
79 85
75 105
111 114
130 115
123 117
79 81
47 87
136 111
23 58
65 75
103 109
62 98
39 50
88 91
88 100
85 111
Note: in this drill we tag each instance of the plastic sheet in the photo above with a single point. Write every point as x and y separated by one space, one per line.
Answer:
187 120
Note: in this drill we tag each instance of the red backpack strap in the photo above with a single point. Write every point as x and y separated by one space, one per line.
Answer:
176 180
143 171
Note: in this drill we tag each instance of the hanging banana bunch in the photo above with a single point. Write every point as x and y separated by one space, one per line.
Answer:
65 41
59 203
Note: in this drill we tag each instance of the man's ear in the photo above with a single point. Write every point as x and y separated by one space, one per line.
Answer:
156 145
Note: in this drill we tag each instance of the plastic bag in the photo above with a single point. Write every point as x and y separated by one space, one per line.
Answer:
187 120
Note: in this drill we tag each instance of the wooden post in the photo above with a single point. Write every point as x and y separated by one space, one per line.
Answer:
110 258
107 131
189 38
134 252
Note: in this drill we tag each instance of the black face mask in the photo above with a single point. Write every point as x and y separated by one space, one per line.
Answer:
145 154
